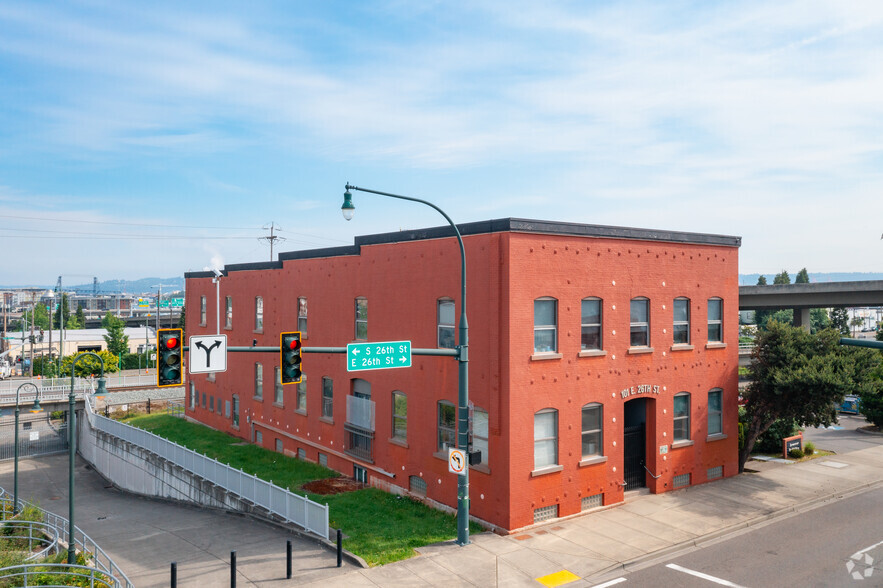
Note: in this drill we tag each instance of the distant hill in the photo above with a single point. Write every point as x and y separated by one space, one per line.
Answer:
131 286
751 279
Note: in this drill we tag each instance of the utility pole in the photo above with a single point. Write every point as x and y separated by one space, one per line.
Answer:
271 239
158 299
31 367
6 296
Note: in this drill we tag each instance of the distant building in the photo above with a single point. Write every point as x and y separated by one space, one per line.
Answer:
601 360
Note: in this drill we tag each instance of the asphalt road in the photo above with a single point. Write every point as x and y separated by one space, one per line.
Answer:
825 546
844 436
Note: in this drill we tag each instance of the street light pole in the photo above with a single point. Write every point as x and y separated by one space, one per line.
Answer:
36 408
462 357
72 444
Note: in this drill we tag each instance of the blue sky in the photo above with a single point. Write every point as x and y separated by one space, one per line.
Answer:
757 119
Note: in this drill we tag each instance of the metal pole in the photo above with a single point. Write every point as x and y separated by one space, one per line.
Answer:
232 569
218 305
15 476
288 559
72 445
72 442
463 373
174 574
339 548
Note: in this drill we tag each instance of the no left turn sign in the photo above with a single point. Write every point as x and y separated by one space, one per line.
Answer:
456 460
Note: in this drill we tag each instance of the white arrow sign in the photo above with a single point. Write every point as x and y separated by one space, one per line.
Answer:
208 353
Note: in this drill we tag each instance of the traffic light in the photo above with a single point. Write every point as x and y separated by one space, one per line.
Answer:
169 347
290 359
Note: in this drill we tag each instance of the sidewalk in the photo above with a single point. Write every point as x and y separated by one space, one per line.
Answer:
601 545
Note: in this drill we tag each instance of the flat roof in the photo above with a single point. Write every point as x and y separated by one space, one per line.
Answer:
502 225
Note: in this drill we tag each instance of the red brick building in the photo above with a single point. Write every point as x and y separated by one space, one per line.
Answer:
601 359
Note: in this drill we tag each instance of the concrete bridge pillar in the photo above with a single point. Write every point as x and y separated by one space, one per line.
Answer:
801 318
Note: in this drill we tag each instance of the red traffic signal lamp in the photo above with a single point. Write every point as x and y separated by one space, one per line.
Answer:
290 357
169 348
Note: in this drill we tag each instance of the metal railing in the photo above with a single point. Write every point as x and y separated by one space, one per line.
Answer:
278 501
128 381
48 390
70 575
102 563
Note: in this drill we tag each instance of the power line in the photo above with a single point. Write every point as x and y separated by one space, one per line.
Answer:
68 220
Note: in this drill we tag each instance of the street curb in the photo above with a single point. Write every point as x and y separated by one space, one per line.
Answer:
863 431
702 541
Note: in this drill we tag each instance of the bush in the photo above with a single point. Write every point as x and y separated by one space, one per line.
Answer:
809 448
871 406
771 440
795 453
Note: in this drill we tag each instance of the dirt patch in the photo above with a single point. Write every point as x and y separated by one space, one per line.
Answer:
870 429
333 486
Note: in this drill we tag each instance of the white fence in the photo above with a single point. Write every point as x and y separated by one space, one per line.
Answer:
299 510
47 390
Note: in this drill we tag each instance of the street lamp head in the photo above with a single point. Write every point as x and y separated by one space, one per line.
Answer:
36 408
348 209
102 387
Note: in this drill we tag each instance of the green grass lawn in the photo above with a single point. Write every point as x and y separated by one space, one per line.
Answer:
378 527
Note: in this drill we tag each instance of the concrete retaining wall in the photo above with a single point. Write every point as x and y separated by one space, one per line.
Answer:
140 471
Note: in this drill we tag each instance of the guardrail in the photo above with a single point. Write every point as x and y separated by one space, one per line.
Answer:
278 501
48 390
100 560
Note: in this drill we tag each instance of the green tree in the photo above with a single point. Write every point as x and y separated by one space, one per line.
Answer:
89 366
40 317
856 322
840 320
782 278
116 338
761 281
819 320
802 277
80 316
800 376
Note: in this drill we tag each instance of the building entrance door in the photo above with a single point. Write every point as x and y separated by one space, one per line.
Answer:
634 443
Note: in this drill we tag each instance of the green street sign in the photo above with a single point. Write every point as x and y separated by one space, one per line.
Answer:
378 356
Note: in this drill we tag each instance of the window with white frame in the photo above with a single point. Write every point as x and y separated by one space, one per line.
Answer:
361 319
715 412
446 324
640 322
715 320
545 325
194 395
681 324
592 415
480 434
202 310
258 313
228 312
447 425
681 417
590 336
302 315
235 410
301 400
277 386
327 398
399 416
258 381
545 438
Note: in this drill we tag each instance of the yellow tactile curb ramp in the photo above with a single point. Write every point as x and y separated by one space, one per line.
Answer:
557 579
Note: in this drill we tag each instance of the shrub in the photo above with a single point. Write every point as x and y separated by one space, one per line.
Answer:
809 448
795 453
771 440
872 407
